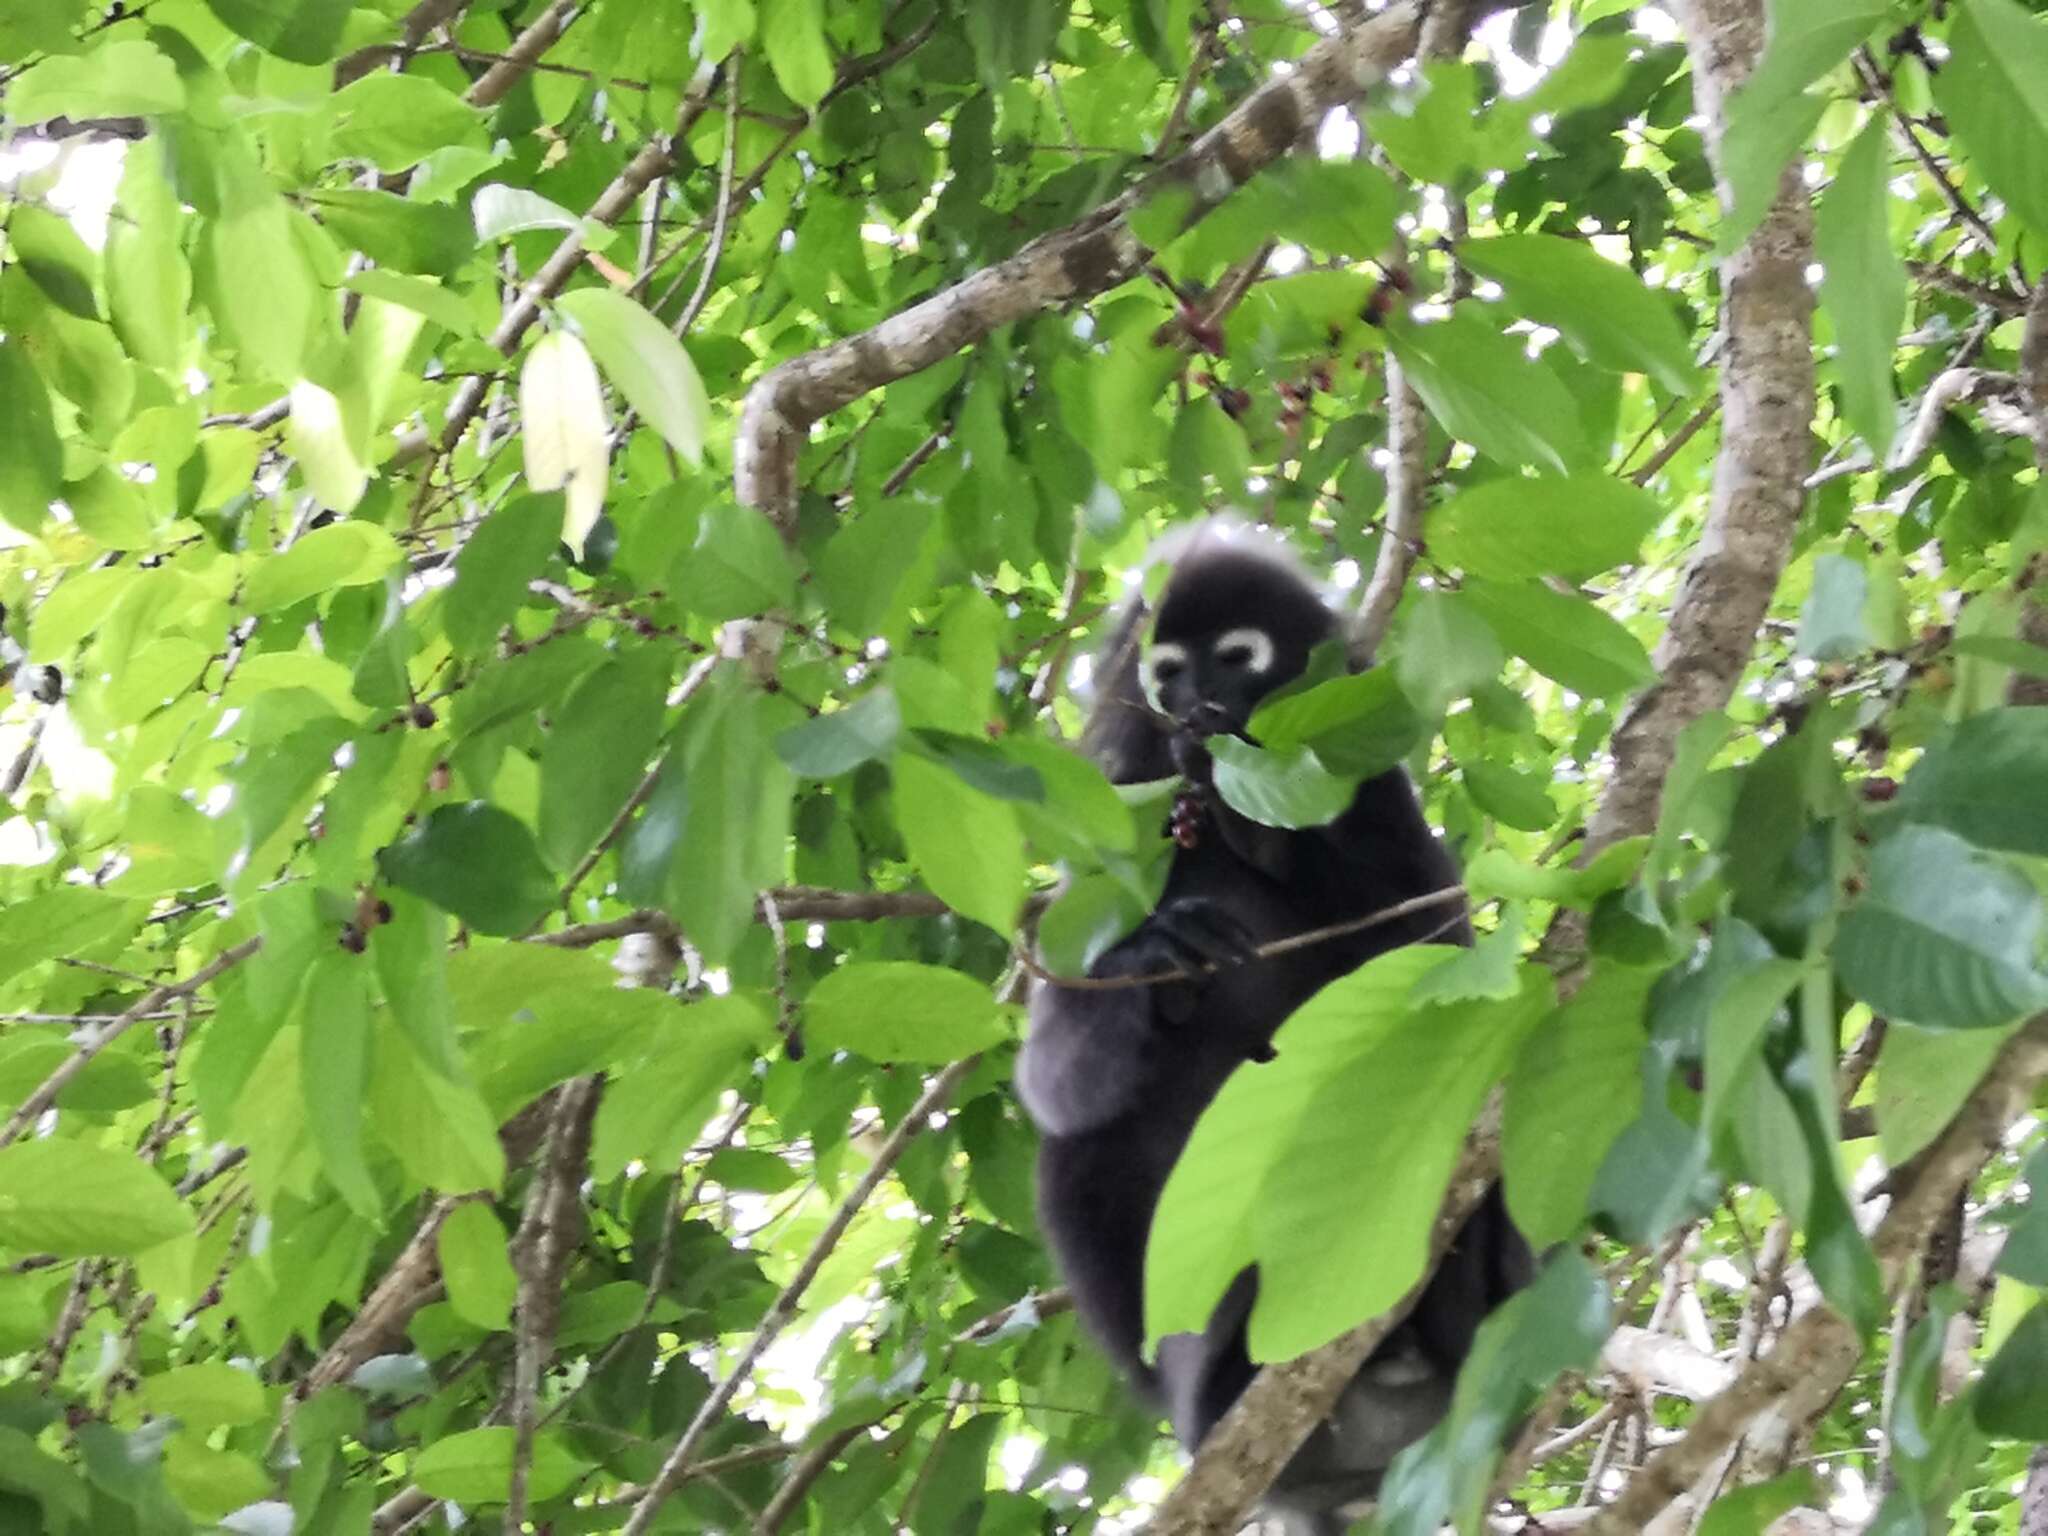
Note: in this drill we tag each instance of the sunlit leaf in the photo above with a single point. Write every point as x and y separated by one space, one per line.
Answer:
565 439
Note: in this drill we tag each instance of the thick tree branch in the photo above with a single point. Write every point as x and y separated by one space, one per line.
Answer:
1767 404
1401 530
1819 1351
1088 257
549 1230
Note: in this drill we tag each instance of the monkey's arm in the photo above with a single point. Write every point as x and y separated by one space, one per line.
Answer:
1089 1058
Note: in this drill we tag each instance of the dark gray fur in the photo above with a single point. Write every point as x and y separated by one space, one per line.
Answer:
1116 1079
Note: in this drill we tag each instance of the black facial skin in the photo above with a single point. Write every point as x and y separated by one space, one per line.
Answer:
1116 1079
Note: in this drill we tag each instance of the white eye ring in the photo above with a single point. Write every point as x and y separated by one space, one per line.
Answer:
1162 661
1252 647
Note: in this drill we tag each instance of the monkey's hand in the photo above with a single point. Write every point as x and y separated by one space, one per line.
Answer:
1195 936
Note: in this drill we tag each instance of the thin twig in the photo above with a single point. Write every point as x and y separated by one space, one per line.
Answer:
783 1309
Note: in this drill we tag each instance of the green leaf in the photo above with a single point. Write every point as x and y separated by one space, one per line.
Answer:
1804 39
1831 625
1357 725
320 440
1600 307
968 846
271 323
334 1060
1923 1077
438 304
1746 1511
1391 1119
1573 526
2012 1399
1205 1229
474 1466
1443 650
303 31
1496 872
901 1011
1761 140
1863 284
79 1200
509 549
32 468
1364 1089
1574 1088
346 554
1009 41
715 830
49 250
1482 387
396 120
123 77
793 34
1944 937
737 567
1554 1326
441 1132
864 731
564 437
653 1110
500 210
205 1395
623 706
1509 795
646 363
473 1249
1983 782
1278 789
1992 93
477 862
1565 638
149 281
399 232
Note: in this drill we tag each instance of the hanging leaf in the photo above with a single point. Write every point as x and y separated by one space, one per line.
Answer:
1863 283
1576 526
565 437
1944 937
1990 89
79 1200
1482 387
474 861
1603 309
899 1011
1983 782
1563 637
646 363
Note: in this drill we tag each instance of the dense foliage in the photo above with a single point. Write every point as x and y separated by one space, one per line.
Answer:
508 954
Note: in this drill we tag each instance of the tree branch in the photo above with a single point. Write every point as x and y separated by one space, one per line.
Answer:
1819 1351
31 1108
1767 405
1267 1425
1090 256
675 1465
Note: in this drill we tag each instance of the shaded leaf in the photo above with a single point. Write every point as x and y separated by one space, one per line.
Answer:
477 862
900 1011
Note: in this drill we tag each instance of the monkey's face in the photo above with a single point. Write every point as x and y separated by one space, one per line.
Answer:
1208 683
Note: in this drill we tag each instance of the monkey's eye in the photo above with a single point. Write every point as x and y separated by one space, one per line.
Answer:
1166 662
1250 649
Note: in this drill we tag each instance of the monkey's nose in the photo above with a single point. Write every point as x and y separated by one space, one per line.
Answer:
1208 718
